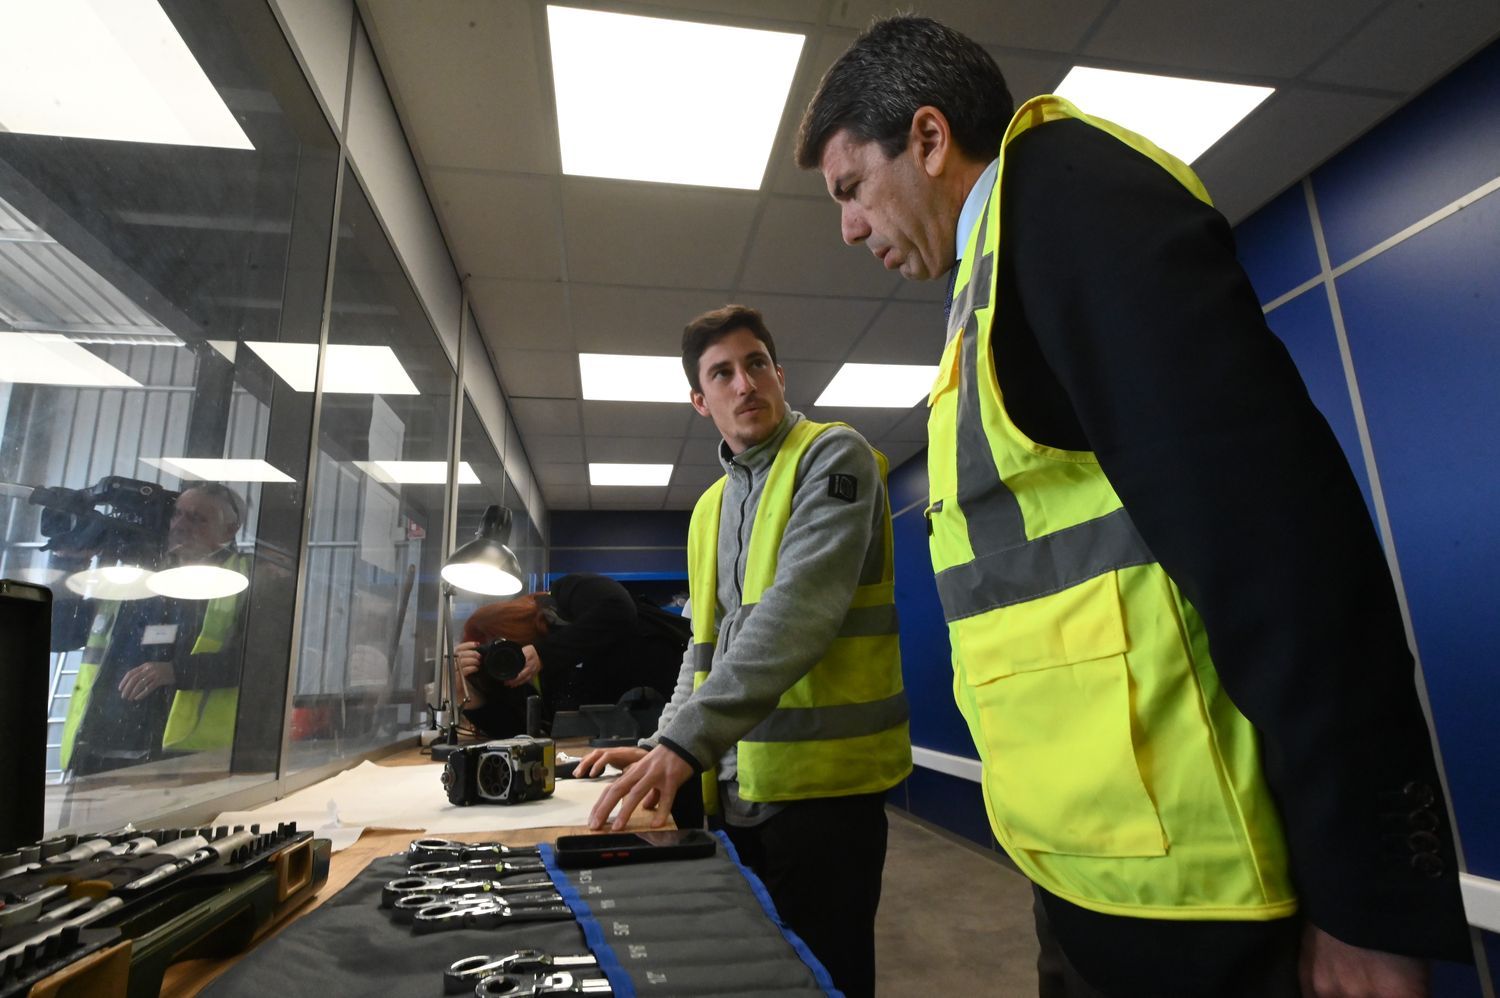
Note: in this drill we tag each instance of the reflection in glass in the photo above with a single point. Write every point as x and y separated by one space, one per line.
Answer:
369 637
140 451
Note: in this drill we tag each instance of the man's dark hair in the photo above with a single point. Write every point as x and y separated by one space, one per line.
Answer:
711 327
898 65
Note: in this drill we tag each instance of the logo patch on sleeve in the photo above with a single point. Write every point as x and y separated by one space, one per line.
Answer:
845 487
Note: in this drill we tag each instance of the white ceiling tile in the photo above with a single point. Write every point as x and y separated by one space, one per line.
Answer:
530 315
610 319
899 452
626 496
499 225
562 474
786 177
911 429
871 423
467 81
811 328
932 290
697 477
702 430
539 373
541 417
1432 36
903 333
633 450
682 497
1026 76
635 419
566 496
1289 135
798 249
806 379
657 235
554 449
1266 39
1020 25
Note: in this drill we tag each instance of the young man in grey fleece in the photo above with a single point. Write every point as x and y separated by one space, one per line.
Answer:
821 859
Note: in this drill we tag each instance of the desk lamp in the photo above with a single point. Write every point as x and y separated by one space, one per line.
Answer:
485 566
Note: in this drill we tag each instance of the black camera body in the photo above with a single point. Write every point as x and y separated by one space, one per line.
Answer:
505 771
135 526
499 660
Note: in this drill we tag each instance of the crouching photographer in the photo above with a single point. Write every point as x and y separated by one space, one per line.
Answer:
587 640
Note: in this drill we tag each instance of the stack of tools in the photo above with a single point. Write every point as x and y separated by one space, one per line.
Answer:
107 913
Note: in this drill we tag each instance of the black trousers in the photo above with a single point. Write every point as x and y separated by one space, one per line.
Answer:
1086 954
821 860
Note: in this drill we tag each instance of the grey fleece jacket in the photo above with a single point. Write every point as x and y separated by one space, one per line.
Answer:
831 545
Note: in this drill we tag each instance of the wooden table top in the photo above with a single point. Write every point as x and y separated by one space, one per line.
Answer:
188 977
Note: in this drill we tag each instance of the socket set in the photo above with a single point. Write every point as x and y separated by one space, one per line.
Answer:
117 908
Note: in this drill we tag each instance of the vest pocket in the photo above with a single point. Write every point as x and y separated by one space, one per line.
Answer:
1048 691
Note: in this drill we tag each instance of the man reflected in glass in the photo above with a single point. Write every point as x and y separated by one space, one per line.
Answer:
160 673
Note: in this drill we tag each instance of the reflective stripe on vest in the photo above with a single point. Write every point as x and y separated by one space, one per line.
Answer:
1117 773
202 720
842 728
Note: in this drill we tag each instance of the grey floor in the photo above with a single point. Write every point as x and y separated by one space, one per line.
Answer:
954 921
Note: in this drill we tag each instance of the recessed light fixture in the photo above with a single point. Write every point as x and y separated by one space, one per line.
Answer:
1182 116
617 75
629 474
53 359
216 469
620 377
416 472
108 69
352 368
879 386
197 582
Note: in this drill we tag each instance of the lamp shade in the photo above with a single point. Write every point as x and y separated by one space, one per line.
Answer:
485 565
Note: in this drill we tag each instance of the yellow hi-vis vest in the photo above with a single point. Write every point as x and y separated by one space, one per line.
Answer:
842 728
198 719
1116 771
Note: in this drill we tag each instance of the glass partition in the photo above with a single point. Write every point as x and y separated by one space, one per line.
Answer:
369 631
153 268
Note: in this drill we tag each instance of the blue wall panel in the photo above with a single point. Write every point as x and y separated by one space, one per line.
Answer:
620 528
1276 246
1428 154
1305 325
950 802
908 483
618 561
1423 321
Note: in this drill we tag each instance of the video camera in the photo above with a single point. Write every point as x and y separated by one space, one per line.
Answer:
134 528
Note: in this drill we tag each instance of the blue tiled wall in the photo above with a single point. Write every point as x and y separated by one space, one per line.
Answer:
1421 320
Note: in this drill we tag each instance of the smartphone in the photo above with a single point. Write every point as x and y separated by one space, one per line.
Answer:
610 849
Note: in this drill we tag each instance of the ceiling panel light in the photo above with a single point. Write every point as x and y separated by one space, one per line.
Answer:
416 472
619 377
879 386
53 359
352 368
1182 116
629 474
616 75
107 69
198 582
216 469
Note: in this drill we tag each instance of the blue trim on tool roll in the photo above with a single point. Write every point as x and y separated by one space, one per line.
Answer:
593 933
819 972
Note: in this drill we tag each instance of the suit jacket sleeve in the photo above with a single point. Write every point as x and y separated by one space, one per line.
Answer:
1139 336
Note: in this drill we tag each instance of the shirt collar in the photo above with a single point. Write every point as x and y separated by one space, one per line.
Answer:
974 204
763 453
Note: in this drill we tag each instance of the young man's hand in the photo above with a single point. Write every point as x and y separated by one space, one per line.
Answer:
621 758
651 782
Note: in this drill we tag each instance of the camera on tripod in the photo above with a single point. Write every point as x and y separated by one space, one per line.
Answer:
505 771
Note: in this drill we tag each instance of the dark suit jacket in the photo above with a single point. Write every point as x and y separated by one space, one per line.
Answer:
1127 327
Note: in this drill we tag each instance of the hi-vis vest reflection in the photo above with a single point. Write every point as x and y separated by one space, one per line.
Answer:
1117 773
842 728
199 720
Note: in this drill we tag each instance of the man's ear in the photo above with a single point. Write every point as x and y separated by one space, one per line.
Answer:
930 139
781 376
698 402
